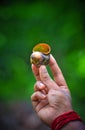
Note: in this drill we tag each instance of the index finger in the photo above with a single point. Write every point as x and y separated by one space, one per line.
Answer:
58 76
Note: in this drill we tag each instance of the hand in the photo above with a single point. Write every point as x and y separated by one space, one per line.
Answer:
51 97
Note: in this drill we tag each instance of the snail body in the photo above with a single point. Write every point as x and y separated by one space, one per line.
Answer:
41 54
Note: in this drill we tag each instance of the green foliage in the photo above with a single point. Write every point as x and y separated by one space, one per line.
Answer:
22 25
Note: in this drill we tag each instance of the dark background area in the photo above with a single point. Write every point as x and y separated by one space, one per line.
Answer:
23 24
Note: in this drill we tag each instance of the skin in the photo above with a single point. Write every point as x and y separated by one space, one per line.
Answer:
51 98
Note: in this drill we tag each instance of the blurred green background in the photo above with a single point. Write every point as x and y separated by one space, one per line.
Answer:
23 24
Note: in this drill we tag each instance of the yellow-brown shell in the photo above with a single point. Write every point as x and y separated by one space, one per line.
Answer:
42 47
40 55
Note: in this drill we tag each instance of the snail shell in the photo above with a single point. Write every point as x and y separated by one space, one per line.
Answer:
41 54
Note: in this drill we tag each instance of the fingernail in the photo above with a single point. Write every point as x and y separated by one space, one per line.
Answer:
41 85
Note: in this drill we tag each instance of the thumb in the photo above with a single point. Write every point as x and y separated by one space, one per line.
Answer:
46 79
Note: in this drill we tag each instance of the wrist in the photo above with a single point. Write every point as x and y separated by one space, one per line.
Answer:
74 125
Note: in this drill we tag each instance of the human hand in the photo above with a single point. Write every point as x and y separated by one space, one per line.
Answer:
51 97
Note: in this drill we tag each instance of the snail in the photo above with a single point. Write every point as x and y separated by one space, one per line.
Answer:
40 55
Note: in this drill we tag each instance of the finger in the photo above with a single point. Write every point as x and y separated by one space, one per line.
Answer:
58 76
35 72
46 79
37 96
39 86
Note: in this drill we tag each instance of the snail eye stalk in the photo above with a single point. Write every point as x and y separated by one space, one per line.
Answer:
40 55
